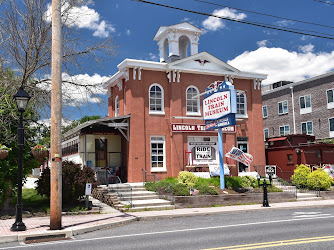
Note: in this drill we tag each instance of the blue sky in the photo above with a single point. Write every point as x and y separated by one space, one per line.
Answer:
281 55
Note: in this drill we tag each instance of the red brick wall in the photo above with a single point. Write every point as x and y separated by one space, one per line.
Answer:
143 125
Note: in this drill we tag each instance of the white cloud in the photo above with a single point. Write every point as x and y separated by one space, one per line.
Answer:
153 57
214 23
74 95
84 17
281 64
128 32
262 43
306 48
284 23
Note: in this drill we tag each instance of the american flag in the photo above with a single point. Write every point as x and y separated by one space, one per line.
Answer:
238 155
193 191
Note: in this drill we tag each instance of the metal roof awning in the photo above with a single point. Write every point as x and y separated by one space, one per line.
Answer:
278 139
121 123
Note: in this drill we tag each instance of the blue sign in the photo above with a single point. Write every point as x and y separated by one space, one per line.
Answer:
225 121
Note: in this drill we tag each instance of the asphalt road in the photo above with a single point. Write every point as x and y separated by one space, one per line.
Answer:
280 229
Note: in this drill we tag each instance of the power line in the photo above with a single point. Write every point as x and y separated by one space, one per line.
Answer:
269 15
295 31
326 2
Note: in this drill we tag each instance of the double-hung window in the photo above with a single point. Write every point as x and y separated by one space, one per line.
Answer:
241 104
307 128
331 127
305 104
158 155
156 97
284 130
116 106
283 107
265 111
330 98
266 133
193 106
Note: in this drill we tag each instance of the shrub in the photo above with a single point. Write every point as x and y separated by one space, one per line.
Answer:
150 186
171 180
74 181
205 189
249 181
187 178
233 182
319 177
301 173
181 190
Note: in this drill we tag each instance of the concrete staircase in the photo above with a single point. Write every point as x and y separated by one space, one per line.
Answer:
141 199
302 195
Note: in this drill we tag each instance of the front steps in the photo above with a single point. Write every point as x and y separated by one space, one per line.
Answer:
120 196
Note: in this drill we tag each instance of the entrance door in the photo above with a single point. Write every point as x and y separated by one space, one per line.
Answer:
243 145
101 153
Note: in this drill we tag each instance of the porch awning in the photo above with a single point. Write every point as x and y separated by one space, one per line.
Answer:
278 139
121 123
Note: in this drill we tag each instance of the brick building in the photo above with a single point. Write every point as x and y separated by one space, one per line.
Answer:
304 107
165 124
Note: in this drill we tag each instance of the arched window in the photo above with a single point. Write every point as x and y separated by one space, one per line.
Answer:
241 104
193 106
184 46
116 106
156 97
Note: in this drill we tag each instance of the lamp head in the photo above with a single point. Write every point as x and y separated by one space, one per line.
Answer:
21 99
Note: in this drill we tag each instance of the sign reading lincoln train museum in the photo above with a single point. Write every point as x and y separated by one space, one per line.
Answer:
186 127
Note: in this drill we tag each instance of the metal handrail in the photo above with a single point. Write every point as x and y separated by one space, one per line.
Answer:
115 188
145 174
164 190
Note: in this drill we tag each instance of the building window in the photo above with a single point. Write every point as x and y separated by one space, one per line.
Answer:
266 133
330 98
331 127
193 106
307 128
305 104
156 97
241 104
283 107
158 158
116 106
289 157
265 111
284 130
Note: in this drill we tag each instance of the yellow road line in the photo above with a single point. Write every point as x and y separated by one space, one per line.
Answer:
277 243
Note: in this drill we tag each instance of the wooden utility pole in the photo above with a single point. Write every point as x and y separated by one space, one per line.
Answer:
56 114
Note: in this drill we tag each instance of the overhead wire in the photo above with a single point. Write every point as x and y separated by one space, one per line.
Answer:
325 2
274 27
264 14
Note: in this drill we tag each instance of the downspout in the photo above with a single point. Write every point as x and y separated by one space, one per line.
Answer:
293 111
85 163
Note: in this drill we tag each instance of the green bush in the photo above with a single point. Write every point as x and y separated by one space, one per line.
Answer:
74 181
301 173
205 189
181 190
233 182
249 181
150 186
319 177
213 181
171 180
187 178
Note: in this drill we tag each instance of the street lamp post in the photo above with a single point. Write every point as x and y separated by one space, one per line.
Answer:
21 99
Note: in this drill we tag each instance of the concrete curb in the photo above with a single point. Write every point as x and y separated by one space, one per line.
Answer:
68 232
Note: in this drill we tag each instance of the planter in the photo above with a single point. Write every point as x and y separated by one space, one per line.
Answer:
40 155
3 154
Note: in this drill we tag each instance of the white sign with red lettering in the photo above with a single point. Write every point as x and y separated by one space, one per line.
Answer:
217 105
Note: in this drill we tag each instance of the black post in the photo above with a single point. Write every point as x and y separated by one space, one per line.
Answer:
19 225
265 194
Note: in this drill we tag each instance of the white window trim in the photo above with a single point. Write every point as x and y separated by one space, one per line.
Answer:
331 133
330 105
305 110
279 131
163 169
287 107
301 128
116 109
153 112
198 103
245 115
266 109
264 134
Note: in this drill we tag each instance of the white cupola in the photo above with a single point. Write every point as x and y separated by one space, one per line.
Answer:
174 41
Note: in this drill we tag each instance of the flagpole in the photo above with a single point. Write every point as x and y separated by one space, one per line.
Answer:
221 158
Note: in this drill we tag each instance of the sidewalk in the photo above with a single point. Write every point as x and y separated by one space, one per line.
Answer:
79 224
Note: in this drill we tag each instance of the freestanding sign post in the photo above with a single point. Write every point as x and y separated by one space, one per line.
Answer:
219 109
